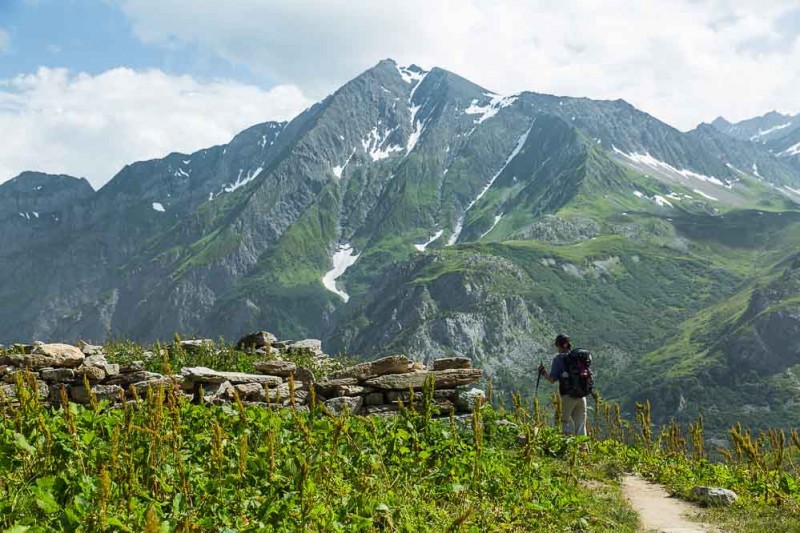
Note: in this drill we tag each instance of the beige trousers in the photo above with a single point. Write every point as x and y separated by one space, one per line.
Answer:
573 414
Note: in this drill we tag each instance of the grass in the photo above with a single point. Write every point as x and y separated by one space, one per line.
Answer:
163 464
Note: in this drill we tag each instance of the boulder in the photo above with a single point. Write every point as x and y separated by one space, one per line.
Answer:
250 392
89 349
333 387
281 345
99 360
165 383
79 394
444 379
206 375
714 496
449 363
52 375
11 375
349 404
212 391
254 341
46 355
92 373
129 378
9 390
305 375
393 364
279 393
381 410
197 345
468 399
450 395
276 368
313 345
374 398
135 366
63 354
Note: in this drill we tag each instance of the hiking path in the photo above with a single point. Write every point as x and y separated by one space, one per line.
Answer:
660 512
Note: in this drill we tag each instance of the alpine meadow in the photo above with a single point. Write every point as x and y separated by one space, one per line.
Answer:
409 212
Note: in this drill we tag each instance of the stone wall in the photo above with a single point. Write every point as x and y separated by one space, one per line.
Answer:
371 388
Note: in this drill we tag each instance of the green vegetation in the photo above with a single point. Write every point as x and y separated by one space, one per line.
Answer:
163 464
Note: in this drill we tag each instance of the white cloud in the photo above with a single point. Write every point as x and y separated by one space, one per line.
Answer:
61 122
682 60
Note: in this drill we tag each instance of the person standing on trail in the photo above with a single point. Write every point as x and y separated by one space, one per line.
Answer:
571 369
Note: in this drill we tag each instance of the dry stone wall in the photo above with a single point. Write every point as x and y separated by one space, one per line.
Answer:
82 374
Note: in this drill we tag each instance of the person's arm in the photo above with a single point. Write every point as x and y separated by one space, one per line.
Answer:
555 371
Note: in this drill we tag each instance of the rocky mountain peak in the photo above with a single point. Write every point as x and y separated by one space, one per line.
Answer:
33 194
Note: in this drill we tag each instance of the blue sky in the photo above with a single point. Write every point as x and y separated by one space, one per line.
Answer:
87 86
93 36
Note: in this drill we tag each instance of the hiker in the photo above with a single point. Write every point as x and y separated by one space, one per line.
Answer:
571 369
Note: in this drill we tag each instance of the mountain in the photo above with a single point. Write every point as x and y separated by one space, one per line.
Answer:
412 210
779 133
761 129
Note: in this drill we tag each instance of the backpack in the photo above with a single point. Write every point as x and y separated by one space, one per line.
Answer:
579 380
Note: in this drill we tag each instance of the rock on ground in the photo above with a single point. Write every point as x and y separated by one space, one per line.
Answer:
714 496
444 379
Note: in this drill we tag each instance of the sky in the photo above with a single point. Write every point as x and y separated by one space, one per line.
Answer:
87 86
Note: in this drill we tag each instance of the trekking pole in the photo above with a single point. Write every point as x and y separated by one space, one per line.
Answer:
538 379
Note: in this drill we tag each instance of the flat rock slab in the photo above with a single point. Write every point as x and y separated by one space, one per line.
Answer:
393 364
206 375
449 363
276 368
56 374
443 379
47 355
659 511
128 378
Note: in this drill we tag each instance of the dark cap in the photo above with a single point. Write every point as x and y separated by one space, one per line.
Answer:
562 340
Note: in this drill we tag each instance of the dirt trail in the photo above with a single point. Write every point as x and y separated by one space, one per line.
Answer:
659 511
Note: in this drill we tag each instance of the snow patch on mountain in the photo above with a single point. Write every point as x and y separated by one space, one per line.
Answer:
338 170
241 182
375 144
342 259
158 207
792 150
422 247
494 225
460 224
790 189
704 195
649 161
491 108
661 201
763 133
410 75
